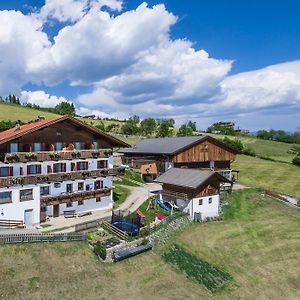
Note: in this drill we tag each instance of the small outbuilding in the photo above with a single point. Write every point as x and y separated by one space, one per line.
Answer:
194 191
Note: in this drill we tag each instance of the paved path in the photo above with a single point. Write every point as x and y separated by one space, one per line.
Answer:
238 186
138 195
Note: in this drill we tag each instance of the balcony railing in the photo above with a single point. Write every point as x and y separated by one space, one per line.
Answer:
57 155
59 177
73 197
174 194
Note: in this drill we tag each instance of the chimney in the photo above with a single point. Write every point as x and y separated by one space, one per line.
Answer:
17 127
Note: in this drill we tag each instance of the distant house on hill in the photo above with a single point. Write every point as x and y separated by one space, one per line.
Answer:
195 192
152 157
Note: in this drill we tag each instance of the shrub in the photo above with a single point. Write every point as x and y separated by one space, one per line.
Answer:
248 151
144 242
100 250
296 161
236 144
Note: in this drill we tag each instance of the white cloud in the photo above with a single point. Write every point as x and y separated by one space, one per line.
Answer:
83 111
64 10
267 87
21 41
41 98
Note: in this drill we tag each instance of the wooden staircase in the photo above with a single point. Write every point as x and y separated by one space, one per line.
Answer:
11 224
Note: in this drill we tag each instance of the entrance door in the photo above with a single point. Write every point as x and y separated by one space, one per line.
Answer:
28 216
56 210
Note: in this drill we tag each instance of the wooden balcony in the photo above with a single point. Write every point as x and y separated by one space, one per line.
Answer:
73 197
57 155
59 177
174 194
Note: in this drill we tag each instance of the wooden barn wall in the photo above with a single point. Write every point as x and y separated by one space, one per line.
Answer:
205 151
64 132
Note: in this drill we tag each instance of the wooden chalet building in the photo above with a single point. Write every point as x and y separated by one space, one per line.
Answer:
52 167
152 157
194 191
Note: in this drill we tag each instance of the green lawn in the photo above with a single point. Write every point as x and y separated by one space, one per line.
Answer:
257 244
281 177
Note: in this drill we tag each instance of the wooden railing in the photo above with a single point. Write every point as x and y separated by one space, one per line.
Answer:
55 155
72 197
40 237
59 177
174 194
115 230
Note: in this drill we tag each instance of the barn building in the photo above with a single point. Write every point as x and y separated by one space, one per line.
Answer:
152 157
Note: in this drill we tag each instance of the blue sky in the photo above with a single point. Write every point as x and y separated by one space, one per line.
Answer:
199 60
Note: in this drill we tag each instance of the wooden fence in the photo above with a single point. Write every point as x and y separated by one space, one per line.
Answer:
40 237
91 224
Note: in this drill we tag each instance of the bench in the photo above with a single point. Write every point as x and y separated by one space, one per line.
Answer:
70 214
87 213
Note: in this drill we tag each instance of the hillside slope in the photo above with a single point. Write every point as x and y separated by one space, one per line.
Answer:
25 114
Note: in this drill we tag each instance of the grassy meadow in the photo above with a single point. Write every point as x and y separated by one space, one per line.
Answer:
276 176
257 243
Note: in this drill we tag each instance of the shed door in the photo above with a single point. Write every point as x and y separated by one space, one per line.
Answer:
28 216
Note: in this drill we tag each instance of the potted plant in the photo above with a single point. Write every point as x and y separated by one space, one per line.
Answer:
54 155
76 154
30 156
12 157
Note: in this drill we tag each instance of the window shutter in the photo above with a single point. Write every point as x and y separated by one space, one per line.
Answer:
55 168
64 167
72 166
86 163
38 169
11 171
105 164
78 165
101 184
98 164
28 170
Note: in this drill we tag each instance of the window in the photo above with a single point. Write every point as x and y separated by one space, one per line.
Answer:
77 146
6 171
82 165
59 167
33 169
57 185
89 187
98 199
80 202
101 164
58 132
69 204
95 145
209 200
13 147
80 186
98 184
5 197
200 201
26 195
69 188
58 146
45 190
37 147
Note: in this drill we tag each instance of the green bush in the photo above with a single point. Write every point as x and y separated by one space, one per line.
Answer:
248 151
235 144
296 161
100 250
91 236
144 242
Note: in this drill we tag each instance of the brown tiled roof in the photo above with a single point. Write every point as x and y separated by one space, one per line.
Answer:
13 133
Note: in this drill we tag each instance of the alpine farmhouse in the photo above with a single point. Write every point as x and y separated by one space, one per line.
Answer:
51 167
153 157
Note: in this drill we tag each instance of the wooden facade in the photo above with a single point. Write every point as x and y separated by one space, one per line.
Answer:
205 151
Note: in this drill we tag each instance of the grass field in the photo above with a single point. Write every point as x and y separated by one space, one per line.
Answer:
281 177
275 150
25 114
257 243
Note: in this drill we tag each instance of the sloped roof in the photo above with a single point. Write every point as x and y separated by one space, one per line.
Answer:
188 178
169 146
11 134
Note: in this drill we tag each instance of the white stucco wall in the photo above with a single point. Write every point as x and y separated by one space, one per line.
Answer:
206 209
15 210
